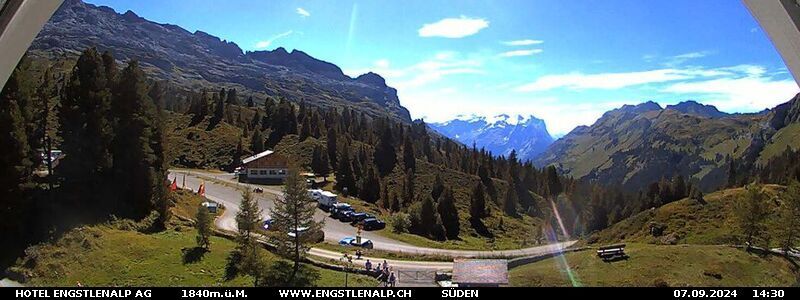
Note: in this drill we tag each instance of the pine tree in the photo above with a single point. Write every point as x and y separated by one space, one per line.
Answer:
292 211
257 142
751 213
86 131
385 155
477 207
438 186
138 147
344 174
247 221
219 107
789 224
370 187
331 147
231 98
15 159
510 201
427 215
409 161
407 192
203 221
319 161
305 129
449 214
553 181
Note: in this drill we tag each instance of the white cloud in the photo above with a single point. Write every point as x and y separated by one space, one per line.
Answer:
607 81
453 27
521 52
303 13
748 90
266 43
425 72
526 42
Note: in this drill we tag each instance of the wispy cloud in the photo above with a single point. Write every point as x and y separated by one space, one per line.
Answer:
453 27
425 72
303 13
525 42
266 43
609 81
745 88
521 52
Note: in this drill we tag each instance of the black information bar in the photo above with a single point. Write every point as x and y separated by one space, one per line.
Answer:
397 293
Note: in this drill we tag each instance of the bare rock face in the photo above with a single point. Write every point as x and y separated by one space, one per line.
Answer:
195 60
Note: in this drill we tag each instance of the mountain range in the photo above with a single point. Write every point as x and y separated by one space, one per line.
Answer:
196 60
500 134
636 145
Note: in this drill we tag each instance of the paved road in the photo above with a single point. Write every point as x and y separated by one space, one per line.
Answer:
228 192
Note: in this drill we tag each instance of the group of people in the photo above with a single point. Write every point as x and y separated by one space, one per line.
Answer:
383 272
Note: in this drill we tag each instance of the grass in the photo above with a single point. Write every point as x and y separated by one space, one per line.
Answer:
105 256
199 145
685 221
102 256
659 265
788 136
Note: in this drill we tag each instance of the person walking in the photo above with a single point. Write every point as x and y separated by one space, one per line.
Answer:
392 279
368 265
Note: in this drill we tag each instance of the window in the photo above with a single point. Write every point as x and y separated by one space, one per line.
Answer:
263 172
272 172
253 172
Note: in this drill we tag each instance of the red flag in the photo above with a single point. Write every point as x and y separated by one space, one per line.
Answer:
174 185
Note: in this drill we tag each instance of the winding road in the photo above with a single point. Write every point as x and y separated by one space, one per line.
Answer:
222 188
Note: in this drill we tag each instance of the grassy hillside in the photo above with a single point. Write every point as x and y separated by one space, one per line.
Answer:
684 222
787 137
502 231
105 255
660 265
199 144
637 145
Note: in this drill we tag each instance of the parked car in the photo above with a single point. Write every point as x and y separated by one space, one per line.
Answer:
359 216
345 216
352 241
372 224
339 209
313 236
267 224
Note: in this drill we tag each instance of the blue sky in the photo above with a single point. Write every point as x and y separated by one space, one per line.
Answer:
566 62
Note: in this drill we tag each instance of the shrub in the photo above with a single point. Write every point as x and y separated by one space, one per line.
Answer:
400 222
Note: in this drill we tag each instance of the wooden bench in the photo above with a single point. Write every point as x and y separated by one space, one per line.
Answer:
612 252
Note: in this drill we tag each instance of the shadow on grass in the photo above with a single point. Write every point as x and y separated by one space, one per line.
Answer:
232 265
193 255
480 228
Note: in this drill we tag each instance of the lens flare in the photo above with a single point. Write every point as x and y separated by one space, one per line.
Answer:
561 260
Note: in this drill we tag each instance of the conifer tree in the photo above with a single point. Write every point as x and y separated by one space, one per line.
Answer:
292 211
477 207
203 224
85 127
751 213
385 155
510 201
331 147
344 174
137 149
409 161
449 214
257 142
